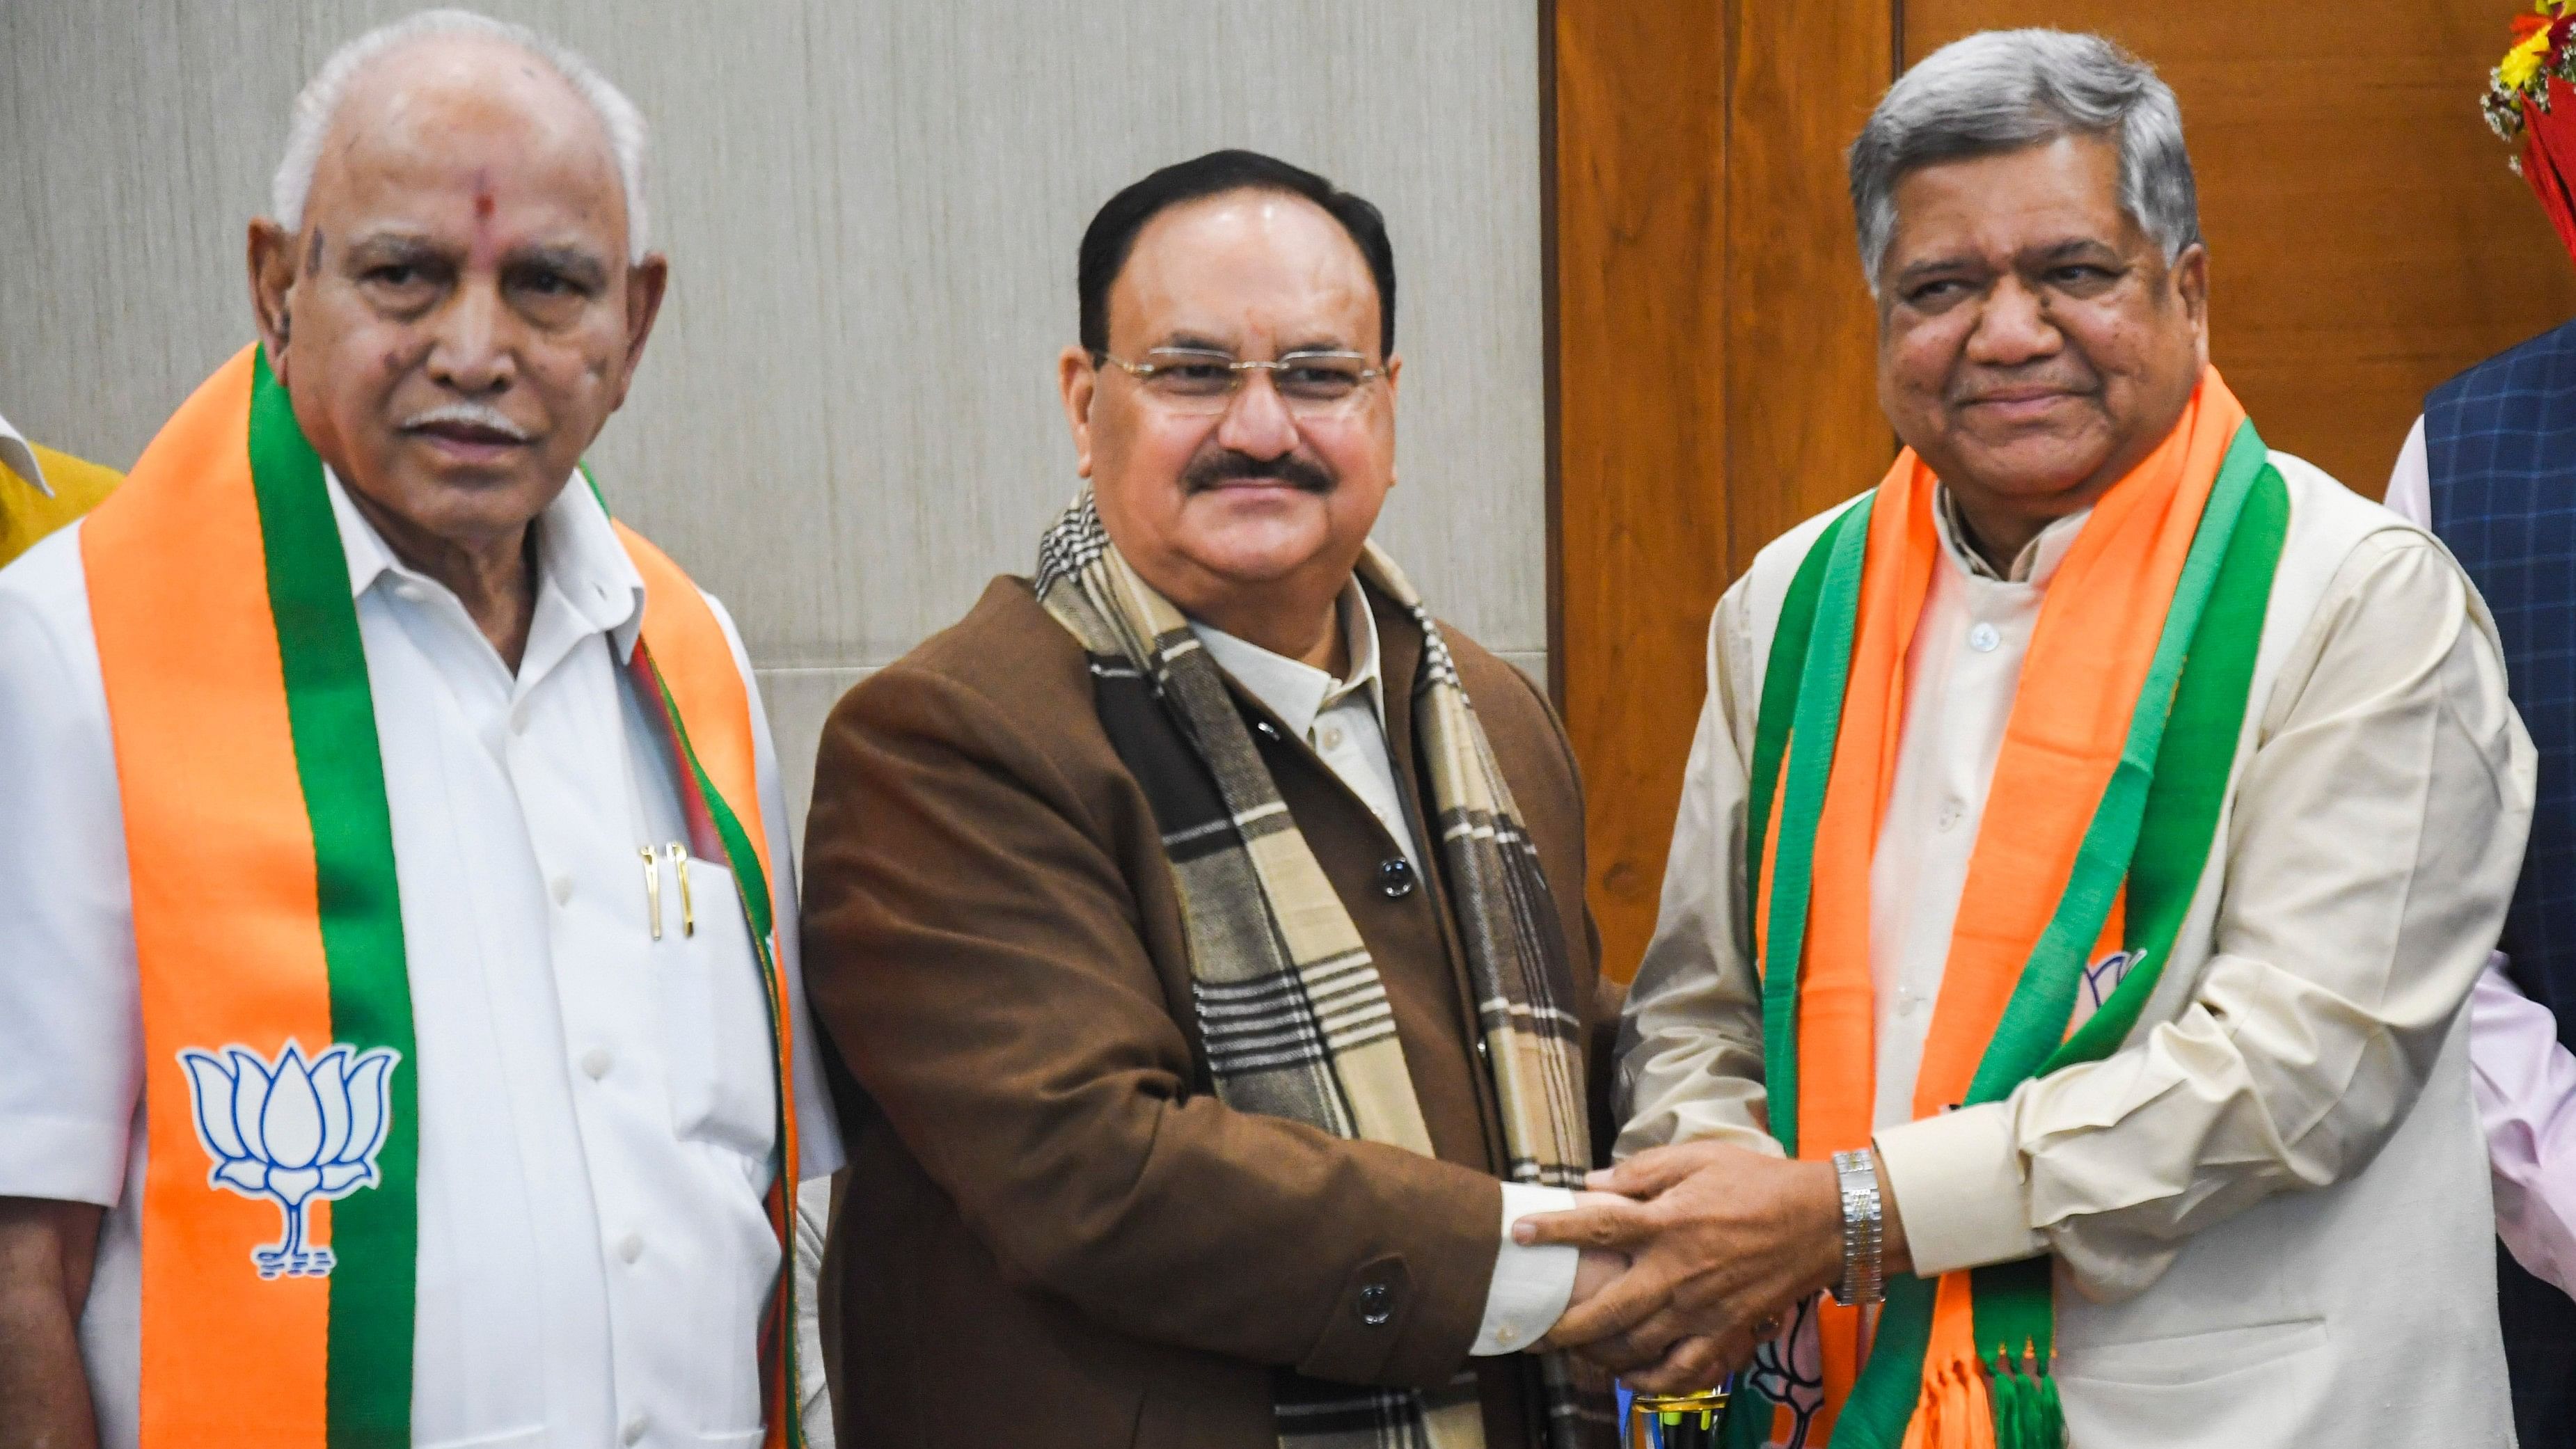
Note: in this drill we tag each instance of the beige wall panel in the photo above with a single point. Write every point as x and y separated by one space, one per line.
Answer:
847 420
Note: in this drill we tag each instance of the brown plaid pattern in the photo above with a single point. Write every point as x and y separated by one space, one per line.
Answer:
1293 1014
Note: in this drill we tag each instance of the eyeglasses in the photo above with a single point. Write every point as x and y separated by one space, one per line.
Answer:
1202 380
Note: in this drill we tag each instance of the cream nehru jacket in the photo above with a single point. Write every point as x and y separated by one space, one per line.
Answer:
2270 1209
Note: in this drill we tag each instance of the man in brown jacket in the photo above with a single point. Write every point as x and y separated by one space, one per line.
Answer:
1201 924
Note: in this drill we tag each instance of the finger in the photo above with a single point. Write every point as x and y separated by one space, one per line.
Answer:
1654 1337
1630 1300
1619 1355
1609 1223
1692 1364
1650 1171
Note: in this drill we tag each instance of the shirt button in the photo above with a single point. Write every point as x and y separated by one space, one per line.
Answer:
1377 1305
1505 1336
630 1247
1984 638
519 720
595 1062
633 1432
1395 878
1950 813
561 889
1331 737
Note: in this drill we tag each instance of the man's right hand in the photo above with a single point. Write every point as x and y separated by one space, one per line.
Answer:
46 1249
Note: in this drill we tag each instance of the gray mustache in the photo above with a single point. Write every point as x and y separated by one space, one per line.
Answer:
475 415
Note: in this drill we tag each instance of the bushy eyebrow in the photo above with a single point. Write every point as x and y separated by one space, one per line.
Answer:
394 248
2069 249
1194 342
578 265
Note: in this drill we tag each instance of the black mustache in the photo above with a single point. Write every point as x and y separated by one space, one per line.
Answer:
1227 466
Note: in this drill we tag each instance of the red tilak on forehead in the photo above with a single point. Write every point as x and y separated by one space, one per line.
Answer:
483 248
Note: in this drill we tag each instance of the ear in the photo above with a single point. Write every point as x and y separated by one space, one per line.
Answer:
2191 283
270 254
646 281
1079 382
1394 373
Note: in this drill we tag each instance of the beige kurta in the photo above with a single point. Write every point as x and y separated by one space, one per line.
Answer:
2382 792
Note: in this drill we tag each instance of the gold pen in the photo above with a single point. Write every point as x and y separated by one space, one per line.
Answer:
652 890
680 867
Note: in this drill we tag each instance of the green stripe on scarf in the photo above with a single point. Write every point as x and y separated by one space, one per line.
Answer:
2153 829
332 715
1815 712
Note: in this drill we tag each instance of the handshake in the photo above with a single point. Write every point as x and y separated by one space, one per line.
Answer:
1691 1256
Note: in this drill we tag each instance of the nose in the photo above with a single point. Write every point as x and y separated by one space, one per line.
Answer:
473 347
1256 421
2012 327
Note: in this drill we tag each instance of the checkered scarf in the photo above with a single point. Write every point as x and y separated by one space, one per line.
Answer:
1290 1007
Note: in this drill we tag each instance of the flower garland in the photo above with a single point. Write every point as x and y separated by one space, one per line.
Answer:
2541 52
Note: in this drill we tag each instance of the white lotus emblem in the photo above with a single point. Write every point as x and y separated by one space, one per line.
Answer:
292 1131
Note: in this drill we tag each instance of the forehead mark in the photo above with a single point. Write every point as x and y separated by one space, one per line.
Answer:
483 251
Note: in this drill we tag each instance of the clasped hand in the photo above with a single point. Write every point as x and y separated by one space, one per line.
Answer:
1716 1241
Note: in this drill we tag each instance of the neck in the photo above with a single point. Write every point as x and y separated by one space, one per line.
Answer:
1998 535
492 577
1301 629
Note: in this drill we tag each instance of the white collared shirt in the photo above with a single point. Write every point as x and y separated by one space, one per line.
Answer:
1963 669
595 1106
2524 1080
1344 722
21 459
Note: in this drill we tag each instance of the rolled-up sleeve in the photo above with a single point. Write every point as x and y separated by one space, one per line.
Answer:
71 1064
2371 849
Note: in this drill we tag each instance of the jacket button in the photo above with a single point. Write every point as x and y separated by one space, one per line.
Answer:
1377 1305
1395 878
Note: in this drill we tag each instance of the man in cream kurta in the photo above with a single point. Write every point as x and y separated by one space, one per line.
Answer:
2307 1035
2266 1206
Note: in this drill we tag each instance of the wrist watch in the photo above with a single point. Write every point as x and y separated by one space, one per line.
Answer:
1864 1241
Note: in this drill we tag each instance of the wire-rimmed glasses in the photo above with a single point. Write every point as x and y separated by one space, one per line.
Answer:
1204 380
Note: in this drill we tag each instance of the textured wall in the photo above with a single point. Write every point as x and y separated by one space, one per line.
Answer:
847 421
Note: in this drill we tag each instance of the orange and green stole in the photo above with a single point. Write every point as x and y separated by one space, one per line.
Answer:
280 1066
2107 792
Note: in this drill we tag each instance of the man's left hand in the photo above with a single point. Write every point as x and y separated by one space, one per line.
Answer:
1720 1239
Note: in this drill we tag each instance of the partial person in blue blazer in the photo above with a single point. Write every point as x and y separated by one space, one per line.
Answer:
2490 468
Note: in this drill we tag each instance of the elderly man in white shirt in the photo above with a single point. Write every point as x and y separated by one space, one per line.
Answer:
597 940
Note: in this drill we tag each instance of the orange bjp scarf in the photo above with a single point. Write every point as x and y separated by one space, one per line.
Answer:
279 1056
2044 891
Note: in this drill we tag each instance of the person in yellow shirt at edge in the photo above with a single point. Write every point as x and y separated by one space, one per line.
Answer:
41 490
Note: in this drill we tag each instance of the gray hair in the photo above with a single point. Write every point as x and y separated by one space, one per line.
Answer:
2002 90
320 100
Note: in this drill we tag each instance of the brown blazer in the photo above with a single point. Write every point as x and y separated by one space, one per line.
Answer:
1053 1235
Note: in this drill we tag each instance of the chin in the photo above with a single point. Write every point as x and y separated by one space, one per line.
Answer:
2039 472
1256 554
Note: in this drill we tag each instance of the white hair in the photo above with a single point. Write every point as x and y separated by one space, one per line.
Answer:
319 102
2002 90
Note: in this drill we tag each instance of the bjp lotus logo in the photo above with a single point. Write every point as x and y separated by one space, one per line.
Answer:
293 1132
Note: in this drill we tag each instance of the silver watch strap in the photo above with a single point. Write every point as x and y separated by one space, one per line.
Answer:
1864 1242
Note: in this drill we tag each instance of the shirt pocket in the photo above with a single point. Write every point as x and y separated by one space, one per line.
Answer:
714 1005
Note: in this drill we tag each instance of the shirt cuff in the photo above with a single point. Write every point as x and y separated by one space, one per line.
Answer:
1532 1284
1957 1182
